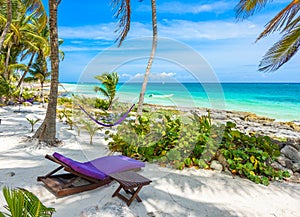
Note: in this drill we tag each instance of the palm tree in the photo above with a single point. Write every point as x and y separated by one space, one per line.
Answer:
29 19
109 82
286 21
47 131
150 61
39 72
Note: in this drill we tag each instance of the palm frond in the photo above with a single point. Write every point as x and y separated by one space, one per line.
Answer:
102 90
282 51
246 8
282 19
21 202
123 13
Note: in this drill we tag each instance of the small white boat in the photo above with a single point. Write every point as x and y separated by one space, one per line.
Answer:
161 96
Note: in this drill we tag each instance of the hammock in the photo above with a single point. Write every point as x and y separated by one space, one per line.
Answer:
21 100
107 125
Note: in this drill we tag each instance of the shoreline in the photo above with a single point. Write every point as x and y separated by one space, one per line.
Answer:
190 192
271 100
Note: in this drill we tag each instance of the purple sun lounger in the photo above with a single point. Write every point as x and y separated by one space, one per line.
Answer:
84 176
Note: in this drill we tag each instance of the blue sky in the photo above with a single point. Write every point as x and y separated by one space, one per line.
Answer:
205 28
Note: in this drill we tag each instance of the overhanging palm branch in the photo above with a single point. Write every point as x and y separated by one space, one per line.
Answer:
286 21
246 8
281 51
282 19
122 12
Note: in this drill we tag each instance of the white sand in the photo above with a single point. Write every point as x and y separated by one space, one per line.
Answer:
172 193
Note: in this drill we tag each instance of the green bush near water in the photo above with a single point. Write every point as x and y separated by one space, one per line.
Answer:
165 138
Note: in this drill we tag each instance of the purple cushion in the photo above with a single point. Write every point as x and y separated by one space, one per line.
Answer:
115 164
100 168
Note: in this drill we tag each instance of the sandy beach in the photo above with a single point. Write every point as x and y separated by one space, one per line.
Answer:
189 192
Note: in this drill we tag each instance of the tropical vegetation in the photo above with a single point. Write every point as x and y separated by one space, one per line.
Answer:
168 139
26 21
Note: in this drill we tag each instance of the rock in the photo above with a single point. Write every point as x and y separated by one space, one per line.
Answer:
285 162
291 153
295 143
216 165
296 167
278 166
11 174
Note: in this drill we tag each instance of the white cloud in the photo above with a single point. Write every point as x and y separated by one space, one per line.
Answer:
102 31
164 76
124 75
212 30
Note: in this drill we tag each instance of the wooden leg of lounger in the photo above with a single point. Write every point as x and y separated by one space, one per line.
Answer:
49 174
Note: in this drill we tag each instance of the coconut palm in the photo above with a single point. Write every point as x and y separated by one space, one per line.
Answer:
109 83
47 131
150 61
287 22
29 19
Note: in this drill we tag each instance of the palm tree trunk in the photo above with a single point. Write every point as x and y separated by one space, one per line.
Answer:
27 69
47 131
6 71
150 61
8 23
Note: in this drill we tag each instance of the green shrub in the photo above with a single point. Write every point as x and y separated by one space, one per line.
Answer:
166 139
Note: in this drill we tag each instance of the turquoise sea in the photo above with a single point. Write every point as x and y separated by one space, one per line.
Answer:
275 100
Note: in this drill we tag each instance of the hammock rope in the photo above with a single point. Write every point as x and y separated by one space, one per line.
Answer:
119 121
104 124
21 100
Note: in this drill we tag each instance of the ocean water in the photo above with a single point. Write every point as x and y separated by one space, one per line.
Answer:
275 100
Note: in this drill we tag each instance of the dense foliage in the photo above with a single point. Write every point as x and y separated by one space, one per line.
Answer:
196 141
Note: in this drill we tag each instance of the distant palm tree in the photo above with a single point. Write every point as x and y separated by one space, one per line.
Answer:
286 21
39 72
109 89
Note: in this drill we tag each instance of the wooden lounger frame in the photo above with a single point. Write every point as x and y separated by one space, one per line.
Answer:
64 184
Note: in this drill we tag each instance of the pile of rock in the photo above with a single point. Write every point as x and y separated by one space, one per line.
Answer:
290 158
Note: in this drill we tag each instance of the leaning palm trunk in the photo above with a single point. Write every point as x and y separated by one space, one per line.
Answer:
8 23
150 61
47 131
25 72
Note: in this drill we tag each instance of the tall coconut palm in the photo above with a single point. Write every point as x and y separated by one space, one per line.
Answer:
47 131
287 22
29 19
109 89
150 61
